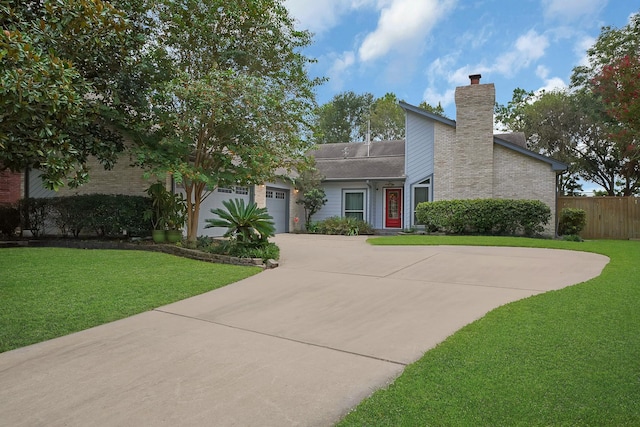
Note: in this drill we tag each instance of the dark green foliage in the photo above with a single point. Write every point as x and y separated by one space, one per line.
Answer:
312 200
345 226
485 216
168 210
9 219
572 221
246 224
105 215
34 214
264 251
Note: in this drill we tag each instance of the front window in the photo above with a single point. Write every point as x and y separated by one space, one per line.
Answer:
354 204
421 193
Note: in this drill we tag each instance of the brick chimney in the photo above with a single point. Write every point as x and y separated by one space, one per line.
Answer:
474 139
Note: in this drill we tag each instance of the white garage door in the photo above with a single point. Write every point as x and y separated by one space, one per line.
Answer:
277 205
214 201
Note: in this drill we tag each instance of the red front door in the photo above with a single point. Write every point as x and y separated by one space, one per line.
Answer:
393 208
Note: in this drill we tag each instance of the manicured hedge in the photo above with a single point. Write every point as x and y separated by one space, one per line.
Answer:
572 221
485 216
104 215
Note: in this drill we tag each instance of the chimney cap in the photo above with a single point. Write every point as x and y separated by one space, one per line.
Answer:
475 78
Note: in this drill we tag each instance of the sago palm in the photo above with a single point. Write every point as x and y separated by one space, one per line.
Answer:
245 223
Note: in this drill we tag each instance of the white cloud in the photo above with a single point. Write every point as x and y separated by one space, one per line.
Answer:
340 69
433 97
542 72
402 22
553 84
528 48
571 10
320 16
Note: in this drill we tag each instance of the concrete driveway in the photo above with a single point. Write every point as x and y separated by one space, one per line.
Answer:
296 346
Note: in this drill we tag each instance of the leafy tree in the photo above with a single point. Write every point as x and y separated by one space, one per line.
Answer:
387 119
63 68
343 119
312 201
238 96
550 123
610 79
435 110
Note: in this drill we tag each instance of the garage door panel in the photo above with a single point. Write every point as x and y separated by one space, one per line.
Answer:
278 208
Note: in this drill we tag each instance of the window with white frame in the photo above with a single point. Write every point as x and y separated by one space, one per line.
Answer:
354 204
421 193
225 190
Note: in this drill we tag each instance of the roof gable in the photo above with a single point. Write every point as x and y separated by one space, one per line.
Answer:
556 165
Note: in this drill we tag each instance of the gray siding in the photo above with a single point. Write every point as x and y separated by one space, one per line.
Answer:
333 207
420 136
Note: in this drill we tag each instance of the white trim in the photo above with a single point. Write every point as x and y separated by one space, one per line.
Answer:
364 193
412 201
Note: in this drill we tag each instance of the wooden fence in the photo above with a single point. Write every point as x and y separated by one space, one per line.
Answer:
607 217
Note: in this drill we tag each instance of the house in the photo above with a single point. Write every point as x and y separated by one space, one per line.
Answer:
278 196
383 182
440 159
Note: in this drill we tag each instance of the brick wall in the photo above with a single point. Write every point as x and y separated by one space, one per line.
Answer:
520 177
444 163
473 151
11 187
122 179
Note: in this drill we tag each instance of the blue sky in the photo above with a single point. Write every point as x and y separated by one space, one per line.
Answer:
422 49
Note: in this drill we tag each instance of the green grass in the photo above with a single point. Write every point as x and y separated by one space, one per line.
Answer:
569 357
48 292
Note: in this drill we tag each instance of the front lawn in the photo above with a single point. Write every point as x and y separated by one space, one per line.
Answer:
50 292
567 357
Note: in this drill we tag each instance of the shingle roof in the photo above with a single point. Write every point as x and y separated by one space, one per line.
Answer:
351 161
516 138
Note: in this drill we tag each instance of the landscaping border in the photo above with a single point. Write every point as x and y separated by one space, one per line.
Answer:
164 248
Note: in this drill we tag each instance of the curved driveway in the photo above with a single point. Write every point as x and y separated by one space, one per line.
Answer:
298 345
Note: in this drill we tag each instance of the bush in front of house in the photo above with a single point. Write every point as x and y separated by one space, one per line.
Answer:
485 216
345 226
105 215
9 220
572 221
248 230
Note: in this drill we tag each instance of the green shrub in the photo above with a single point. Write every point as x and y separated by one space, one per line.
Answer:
346 226
9 219
263 250
103 214
34 214
572 221
485 216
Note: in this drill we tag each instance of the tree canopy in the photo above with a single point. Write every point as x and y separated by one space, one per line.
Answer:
232 111
66 80
594 126
350 117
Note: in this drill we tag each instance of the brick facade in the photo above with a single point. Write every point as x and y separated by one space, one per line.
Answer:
473 150
444 163
11 187
520 177
122 179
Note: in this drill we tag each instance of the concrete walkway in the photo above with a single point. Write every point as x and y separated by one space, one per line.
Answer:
296 346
